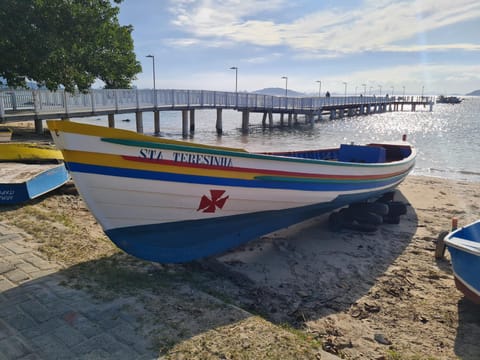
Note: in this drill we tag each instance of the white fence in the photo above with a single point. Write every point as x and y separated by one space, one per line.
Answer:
44 101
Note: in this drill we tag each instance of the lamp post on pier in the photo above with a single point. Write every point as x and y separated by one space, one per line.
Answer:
286 85
380 90
319 88
236 84
364 89
154 87
345 98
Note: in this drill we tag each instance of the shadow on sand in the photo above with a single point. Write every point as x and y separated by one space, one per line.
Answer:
291 276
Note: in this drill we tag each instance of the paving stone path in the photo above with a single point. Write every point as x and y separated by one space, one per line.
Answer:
41 319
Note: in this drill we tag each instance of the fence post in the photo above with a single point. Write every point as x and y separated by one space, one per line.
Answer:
2 107
36 101
116 99
92 98
65 102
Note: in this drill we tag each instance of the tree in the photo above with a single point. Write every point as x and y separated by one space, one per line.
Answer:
65 42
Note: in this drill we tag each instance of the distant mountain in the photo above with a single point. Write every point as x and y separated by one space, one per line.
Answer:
474 93
279 92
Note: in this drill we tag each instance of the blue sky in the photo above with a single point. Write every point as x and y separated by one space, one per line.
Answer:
387 45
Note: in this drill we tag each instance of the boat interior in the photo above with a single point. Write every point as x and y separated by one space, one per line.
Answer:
371 153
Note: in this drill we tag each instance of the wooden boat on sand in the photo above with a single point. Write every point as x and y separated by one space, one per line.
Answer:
28 171
23 151
464 247
172 201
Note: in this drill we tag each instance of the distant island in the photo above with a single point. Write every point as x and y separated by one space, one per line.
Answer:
474 93
278 92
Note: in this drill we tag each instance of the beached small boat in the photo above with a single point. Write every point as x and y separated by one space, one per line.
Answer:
464 247
174 201
21 182
28 171
5 134
26 151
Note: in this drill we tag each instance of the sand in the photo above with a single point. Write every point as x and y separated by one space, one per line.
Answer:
380 295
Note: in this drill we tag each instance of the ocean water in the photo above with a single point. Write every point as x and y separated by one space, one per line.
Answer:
447 139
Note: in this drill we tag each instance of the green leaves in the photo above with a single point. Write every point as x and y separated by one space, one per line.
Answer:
66 43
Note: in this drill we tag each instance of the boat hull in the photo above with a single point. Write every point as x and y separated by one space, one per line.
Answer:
464 247
22 182
171 201
23 151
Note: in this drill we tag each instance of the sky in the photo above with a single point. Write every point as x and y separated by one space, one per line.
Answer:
367 47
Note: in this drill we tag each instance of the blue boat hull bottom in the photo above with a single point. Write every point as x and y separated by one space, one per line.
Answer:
464 247
47 180
190 240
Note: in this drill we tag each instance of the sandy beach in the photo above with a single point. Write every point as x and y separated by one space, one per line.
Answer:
295 293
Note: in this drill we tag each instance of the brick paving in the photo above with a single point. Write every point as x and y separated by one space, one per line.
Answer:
41 319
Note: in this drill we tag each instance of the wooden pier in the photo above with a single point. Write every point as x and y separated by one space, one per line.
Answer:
39 105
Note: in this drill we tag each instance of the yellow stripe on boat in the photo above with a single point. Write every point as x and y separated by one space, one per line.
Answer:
105 132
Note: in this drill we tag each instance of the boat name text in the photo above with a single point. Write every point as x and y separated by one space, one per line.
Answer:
6 195
151 154
202 159
190 158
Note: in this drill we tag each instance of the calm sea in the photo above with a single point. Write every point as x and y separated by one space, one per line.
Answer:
447 139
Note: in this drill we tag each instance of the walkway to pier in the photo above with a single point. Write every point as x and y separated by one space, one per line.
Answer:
39 105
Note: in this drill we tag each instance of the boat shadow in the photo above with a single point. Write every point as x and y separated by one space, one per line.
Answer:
133 308
307 272
467 346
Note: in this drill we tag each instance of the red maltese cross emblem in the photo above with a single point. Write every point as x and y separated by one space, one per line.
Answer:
209 205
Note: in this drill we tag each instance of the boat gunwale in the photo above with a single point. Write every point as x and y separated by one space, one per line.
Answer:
125 138
259 156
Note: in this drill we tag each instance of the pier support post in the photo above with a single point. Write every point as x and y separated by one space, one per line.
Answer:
264 119
192 120
218 125
38 126
270 119
245 120
333 114
281 119
340 113
309 118
156 121
185 123
295 118
139 120
414 107
290 117
111 120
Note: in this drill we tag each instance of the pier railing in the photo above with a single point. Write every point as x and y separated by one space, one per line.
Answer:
44 102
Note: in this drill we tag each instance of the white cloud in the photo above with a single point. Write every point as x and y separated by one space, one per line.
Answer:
375 26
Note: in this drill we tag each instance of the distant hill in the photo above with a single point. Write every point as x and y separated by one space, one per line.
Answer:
474 93
278 92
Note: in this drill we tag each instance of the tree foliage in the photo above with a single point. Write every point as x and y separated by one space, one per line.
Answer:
65 42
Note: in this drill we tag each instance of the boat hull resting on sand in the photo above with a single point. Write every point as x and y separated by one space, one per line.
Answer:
173 201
